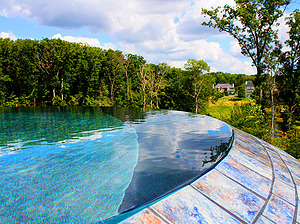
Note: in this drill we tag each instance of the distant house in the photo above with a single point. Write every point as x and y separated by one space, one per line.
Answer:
225 88
249 88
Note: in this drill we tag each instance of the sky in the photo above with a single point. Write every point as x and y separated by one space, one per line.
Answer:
159 30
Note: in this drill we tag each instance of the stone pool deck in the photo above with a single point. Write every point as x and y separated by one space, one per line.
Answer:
255 183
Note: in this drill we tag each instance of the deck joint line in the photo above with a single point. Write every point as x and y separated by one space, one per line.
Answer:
295 188
251 168
262 209
159 215
222 207
255 193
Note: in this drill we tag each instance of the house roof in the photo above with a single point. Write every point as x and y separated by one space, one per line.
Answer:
224 86
249 84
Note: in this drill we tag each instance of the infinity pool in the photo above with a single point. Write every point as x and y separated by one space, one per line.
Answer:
89 165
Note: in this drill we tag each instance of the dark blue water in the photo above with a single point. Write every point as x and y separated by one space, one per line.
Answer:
174 148
85 165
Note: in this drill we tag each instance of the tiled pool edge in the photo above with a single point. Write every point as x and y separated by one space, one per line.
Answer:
255 183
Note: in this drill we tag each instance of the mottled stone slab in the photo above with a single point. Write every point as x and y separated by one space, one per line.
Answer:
296 177
283 174
285 191
144 217
272 152
250 179
261 155
279 211
252 163
264 220
189 206
250 140
298 213
230 195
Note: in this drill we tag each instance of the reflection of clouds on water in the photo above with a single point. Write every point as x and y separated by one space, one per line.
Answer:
174 148
88 136
179 135
11 147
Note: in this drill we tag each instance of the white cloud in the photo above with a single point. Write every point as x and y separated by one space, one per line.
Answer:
110 46
235 49
8 35
283 31
176 52
190 26
168 30
94 42
233 65
9 8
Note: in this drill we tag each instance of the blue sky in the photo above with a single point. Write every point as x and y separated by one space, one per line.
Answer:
160 30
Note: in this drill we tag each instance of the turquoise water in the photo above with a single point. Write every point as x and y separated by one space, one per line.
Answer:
94 165
62 166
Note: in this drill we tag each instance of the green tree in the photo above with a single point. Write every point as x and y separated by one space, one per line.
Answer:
273 71
135 98
251 23
90 79
177 91
250 118
5 65
52 59
28 72
289 80
160 72
144 76
112 65
196 69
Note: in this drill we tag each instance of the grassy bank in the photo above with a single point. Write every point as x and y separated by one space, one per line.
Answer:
248 116
222 108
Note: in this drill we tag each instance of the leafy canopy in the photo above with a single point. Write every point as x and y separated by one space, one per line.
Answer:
251 23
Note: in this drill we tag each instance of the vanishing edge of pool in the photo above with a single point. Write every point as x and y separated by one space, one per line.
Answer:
127 214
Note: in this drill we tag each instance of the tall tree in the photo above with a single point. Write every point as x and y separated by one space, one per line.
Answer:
134 79
251 23
143 74
196 70
52 59
272 71
160 72
126 66
289 80
113 62
29 75
5 65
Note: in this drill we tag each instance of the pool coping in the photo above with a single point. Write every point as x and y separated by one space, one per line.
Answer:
255 182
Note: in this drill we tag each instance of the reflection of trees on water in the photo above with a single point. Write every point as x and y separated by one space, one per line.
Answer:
52 124
134 114
219 151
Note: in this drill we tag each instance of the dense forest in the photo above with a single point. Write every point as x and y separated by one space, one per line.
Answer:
56 72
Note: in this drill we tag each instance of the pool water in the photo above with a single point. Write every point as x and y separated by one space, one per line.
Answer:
87 165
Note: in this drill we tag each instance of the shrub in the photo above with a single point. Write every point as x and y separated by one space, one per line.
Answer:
250 118
289 141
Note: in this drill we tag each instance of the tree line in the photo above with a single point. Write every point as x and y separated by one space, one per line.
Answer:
56 72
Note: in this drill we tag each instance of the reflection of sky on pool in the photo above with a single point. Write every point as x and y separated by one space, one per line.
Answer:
173 146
